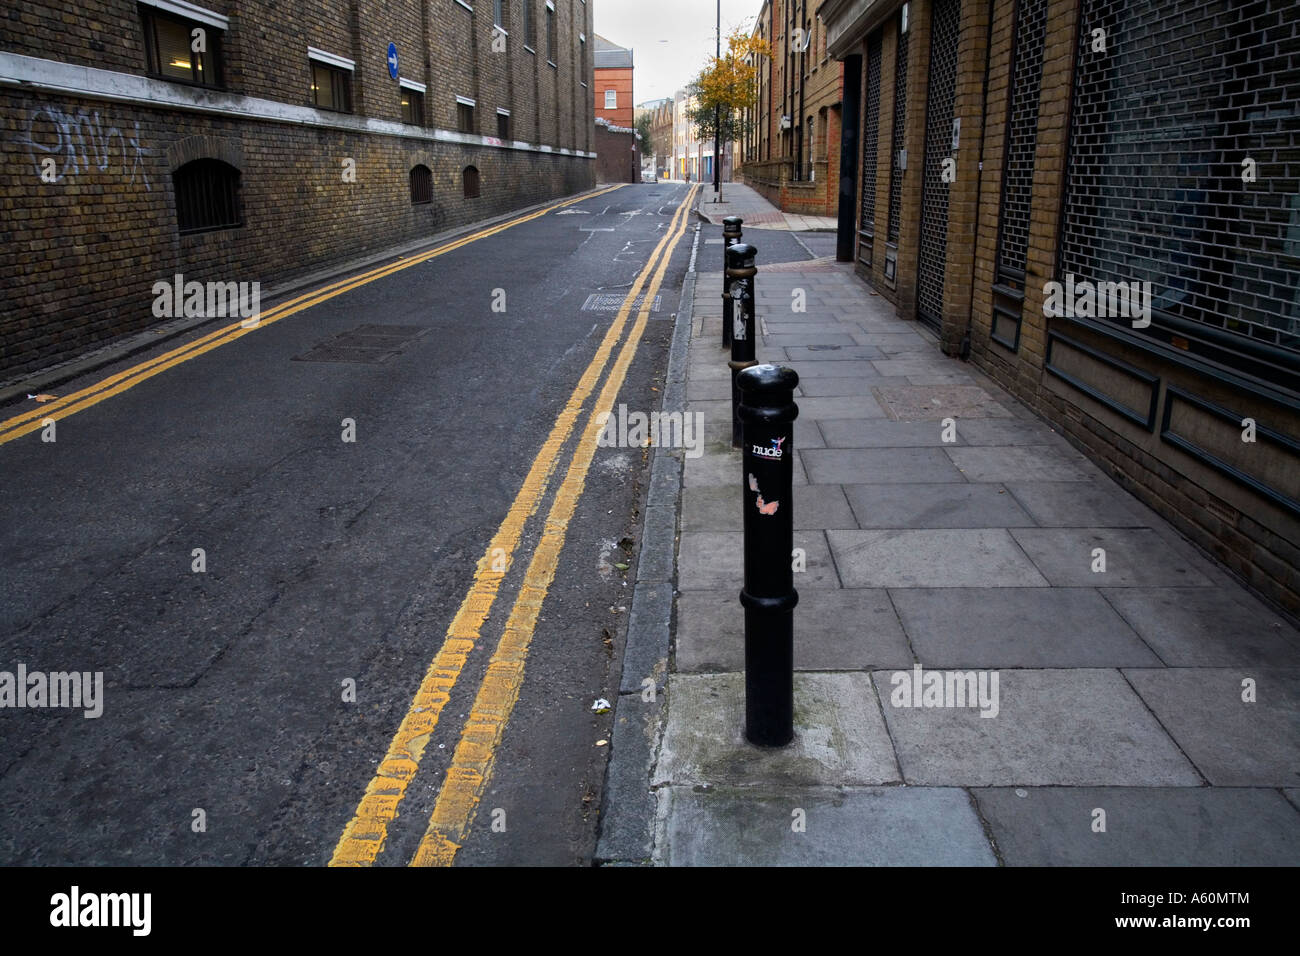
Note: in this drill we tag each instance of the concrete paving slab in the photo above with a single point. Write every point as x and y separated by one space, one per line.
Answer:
839 406
1145 826
1079 504
715 389
910 403
1053 727
719 508
840 738
841 629
934 506
1234 743
1023 463
1207 627
713 560
799 355
918 364
712 469
834 368
815 386
884 433
879 826
798 325
1007 431
810 338
1135 557
1018 627
834 466
986 558
703 371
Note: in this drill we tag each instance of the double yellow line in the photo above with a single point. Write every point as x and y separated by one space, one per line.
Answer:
79 401
365 834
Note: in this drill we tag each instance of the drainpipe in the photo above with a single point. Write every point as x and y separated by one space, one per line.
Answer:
964 354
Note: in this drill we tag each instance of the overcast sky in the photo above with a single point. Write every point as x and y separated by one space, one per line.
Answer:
670 39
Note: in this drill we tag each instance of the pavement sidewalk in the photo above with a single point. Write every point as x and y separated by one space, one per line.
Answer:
740 200
1118 725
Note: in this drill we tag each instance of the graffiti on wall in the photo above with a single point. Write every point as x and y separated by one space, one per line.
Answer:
63 144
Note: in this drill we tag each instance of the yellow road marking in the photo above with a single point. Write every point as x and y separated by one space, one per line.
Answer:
471 765
34 419
363 837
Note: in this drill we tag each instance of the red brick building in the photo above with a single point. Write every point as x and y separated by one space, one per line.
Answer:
612 88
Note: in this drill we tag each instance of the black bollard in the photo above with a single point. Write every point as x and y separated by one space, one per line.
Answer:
731 233
768 412
740 279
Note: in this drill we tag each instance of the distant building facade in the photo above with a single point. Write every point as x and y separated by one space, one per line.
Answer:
791 153
235 141
614 69
617 151
661 134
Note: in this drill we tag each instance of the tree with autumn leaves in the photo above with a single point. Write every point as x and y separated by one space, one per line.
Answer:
726 90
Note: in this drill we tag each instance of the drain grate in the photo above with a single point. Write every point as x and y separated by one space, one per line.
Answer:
613 301
364 345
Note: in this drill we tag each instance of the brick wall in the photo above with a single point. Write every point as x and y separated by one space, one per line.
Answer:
1255 536
618 160
80 254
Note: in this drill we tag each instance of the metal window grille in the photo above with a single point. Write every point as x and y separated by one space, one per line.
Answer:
1021 141
900 128
421 185
207 196
871 135
1188 98
945 24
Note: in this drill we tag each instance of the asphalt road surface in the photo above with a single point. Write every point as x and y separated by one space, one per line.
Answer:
257 690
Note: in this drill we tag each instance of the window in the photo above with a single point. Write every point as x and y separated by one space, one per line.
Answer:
550 33
331 84
464 114
582 59
421 185
412 103
503 124
530 24
178 49
611 99
499 12
207 196
471 179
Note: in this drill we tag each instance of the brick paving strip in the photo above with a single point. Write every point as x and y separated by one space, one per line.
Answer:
1120 693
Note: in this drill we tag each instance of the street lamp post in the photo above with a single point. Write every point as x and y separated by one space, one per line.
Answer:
717 119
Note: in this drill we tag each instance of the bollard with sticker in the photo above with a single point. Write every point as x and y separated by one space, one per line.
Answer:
731 234
767 413
740 279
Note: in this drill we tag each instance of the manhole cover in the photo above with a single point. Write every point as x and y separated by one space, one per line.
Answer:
613 301
364 345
